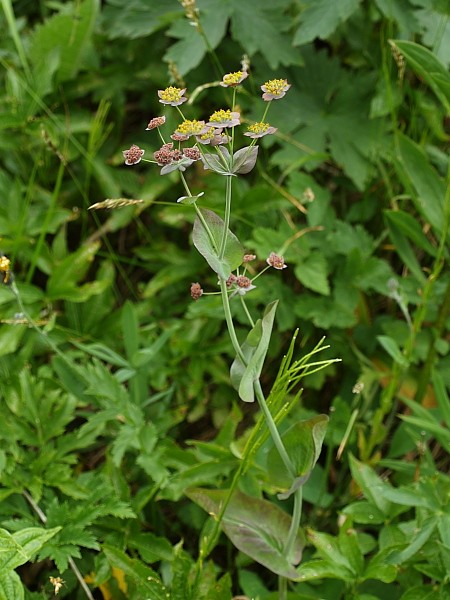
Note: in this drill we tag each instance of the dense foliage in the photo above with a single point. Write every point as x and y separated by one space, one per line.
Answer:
120 427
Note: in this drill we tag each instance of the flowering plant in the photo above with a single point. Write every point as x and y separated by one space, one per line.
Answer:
215 146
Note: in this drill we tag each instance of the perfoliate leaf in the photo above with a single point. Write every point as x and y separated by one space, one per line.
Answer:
207 242
303 443
256 527
254 349
244 160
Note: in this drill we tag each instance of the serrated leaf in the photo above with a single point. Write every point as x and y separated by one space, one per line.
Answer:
138 18
256 527
18 548
70 33
321 18
208 247
312 272
146 579
254 349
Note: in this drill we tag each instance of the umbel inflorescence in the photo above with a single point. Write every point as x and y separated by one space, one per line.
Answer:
212 141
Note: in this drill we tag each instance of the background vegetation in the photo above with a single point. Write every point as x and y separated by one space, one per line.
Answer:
115 399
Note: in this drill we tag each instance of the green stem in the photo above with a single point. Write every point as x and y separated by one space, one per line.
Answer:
282 587
228 193
43 517
229 321
249 316
295 523
275 434
11 20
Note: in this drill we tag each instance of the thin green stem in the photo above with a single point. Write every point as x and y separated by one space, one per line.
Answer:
11 20
43 517
228 194
282 587
295 523
247 313
229 321
275 434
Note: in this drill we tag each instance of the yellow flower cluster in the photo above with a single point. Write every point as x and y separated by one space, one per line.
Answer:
193 127
258 127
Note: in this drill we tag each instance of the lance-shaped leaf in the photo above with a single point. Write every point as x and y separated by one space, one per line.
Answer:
207 242
256 527
244 160
303 443
254 350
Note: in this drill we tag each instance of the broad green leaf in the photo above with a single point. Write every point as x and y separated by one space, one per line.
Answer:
428 67
410 227
11 587
379 569
256 527
69 33
209 248
329 548
254 349
303 443
442 397
321 18
313 272
350 548
421 536
254 24
10 338
320 569
63 280
423 592
145 579
392 348
190 49
18 548
429 188
364 512
371 485
138 18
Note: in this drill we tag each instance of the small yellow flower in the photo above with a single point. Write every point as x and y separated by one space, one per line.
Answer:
233 79
224 118
57 583
275 89
257 130
172 95
189 128
5 268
